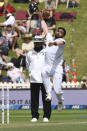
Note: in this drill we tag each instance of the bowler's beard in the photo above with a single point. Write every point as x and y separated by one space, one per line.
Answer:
57 36
38 49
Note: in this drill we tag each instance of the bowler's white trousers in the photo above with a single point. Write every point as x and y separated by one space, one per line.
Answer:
56 72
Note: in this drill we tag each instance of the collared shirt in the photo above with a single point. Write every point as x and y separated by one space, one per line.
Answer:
35 63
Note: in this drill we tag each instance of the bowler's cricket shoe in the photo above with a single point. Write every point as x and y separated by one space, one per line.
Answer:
60 105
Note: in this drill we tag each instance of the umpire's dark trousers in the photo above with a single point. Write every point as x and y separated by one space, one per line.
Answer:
35 89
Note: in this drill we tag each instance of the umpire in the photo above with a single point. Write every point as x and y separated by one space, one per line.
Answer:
34 64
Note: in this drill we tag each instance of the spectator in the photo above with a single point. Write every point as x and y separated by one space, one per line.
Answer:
50 6
51 24
35 63
3 63
27 45
11 37
4 45
4 6
20 27
84 82
73 3
10 20
62 1
65 71
33 24
21 53
33 7
15 74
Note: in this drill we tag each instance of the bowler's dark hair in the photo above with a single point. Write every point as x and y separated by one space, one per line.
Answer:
63 30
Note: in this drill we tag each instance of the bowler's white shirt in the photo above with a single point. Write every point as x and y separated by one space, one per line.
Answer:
10 21
35 63
54 53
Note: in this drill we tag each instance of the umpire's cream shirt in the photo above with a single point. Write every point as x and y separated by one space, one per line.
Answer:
34 64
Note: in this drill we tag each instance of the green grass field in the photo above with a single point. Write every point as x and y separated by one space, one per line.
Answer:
66 120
